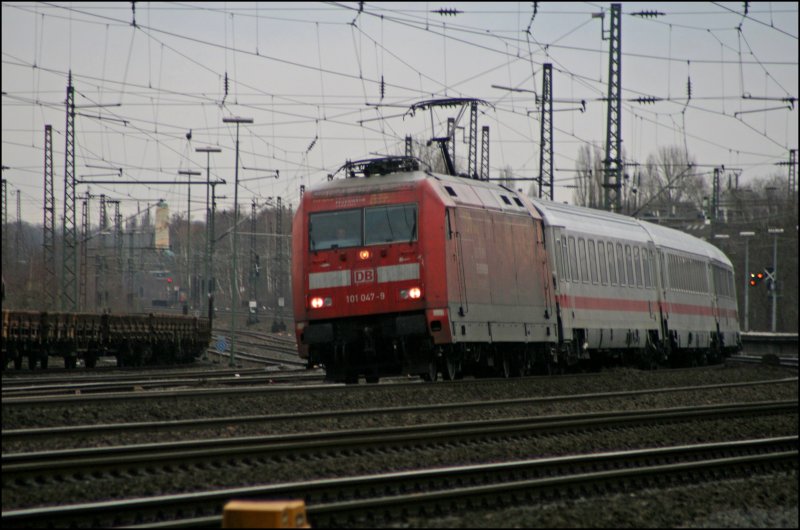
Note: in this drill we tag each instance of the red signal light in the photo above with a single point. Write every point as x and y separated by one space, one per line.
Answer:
169 280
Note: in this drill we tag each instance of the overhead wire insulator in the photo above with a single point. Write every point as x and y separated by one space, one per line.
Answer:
383 88
227 83
648 14
448 12
688 89
647 100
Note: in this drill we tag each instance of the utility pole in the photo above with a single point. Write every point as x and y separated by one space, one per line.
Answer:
746 236
546 143
774 283
49 226
206 280
18 235
189 261
612 177
234 275
277 323
252 315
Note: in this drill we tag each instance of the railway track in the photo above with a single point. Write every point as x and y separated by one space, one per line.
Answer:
154 458
787 360
389 498
136 383
342 417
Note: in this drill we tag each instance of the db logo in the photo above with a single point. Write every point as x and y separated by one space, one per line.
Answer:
364 276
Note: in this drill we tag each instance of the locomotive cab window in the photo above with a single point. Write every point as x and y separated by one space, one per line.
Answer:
389 224
340 229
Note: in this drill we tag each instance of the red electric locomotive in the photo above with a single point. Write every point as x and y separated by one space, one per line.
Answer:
380 283
402 271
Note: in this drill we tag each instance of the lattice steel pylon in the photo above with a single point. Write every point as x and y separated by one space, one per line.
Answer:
254 260
69 264
82 302
485 152
49 226
5 251
612 178
451 143
546 135
472 162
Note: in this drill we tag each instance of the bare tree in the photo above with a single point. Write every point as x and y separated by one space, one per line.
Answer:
589 177
670 184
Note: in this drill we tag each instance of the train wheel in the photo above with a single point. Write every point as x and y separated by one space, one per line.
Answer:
31 362
433 371
18 362
44 361
452 368
506 365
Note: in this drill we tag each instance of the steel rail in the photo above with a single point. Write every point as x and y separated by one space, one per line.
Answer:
37 465
330 500
10 435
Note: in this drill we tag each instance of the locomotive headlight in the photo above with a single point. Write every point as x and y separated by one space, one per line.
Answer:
317 302
413 293
364 254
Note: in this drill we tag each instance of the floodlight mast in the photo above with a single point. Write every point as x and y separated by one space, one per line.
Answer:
234 277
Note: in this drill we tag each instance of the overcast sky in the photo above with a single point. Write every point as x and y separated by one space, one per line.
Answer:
310 77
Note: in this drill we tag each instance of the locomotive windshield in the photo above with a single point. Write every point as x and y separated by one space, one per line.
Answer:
368 226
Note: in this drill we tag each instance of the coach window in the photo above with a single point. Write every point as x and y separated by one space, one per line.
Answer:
390 224
559 265
564 259
637 266
592 261
573 262
582 254
338 229
621 265
601 254
629 266
646 268
612 268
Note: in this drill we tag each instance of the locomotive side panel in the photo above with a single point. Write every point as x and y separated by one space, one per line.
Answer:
502 296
